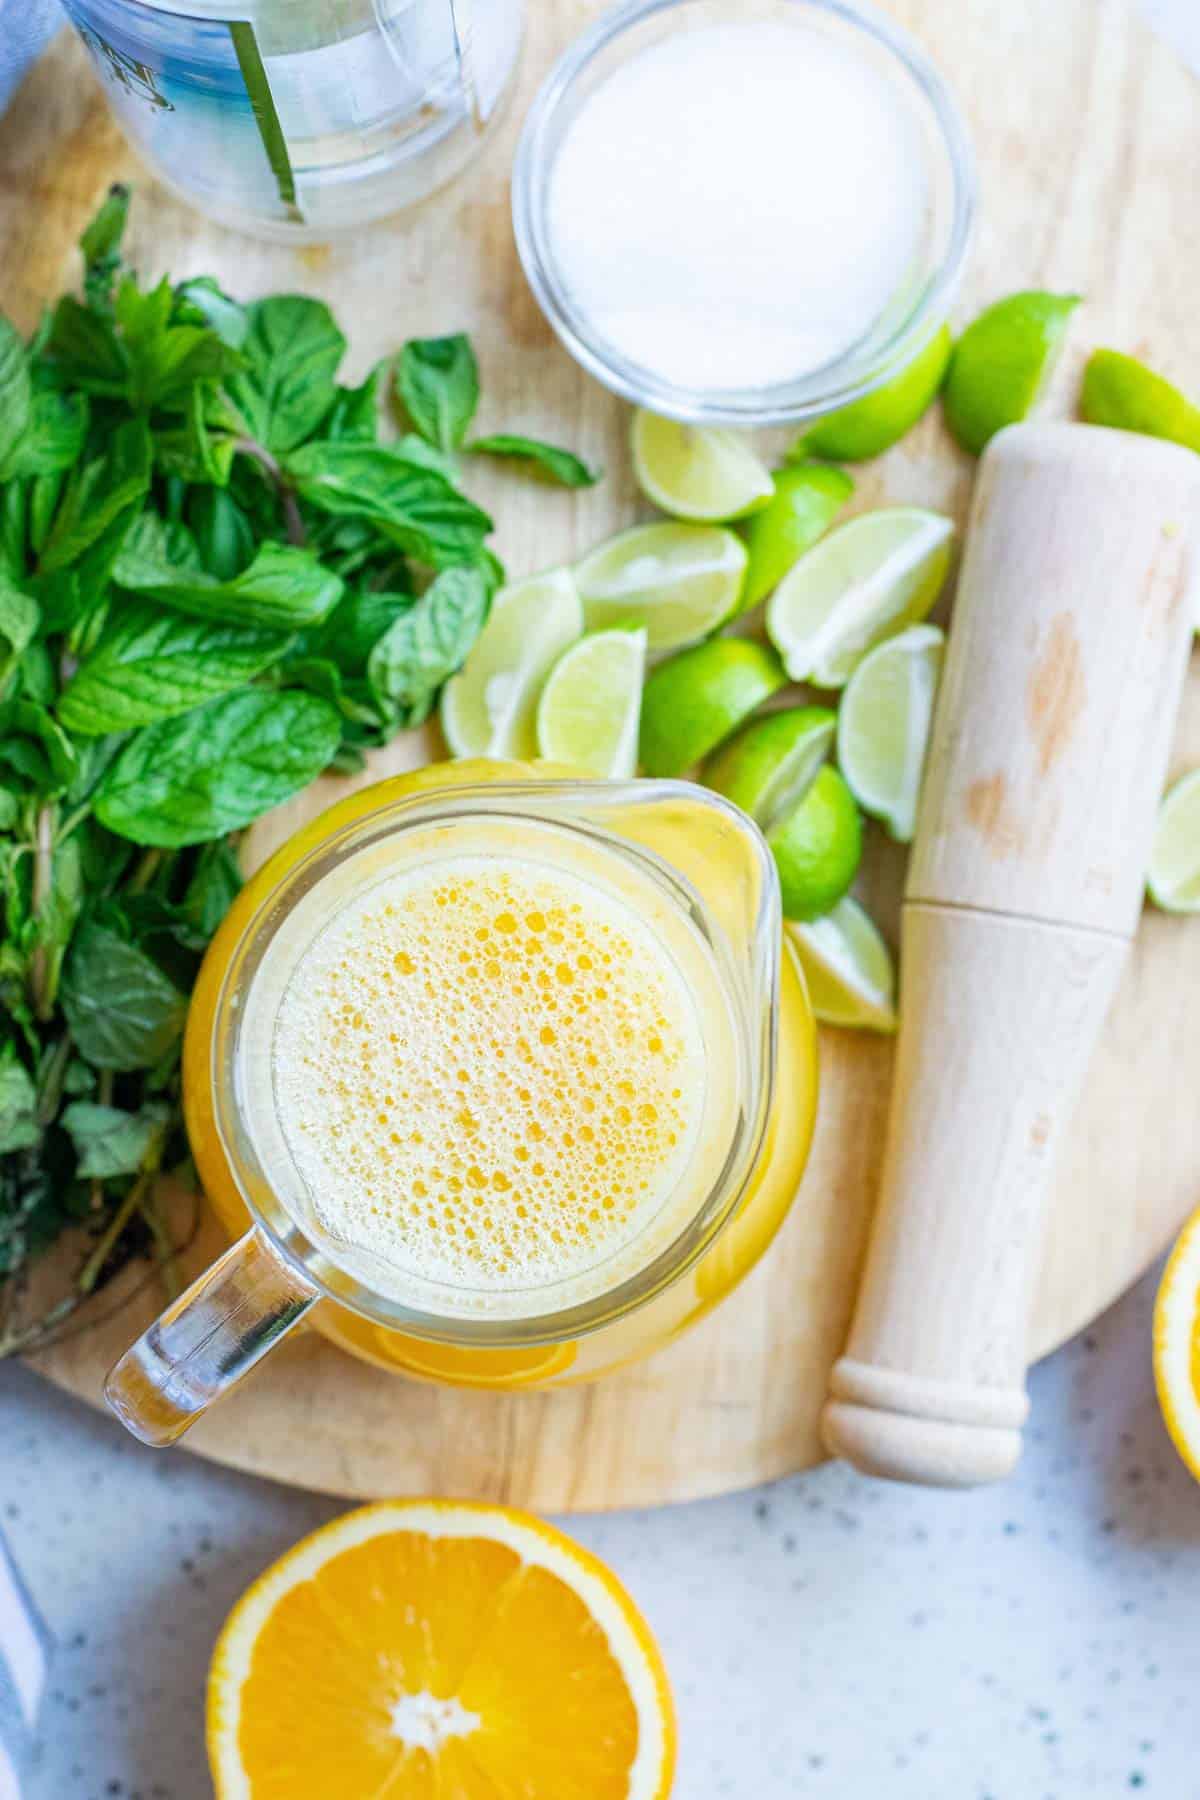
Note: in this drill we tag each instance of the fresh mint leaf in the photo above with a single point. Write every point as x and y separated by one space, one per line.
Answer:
283 587
217 768
19 620
101 494
215 884
54 921
18 1104
152 664
45 492
86 350
101 247
110 1141
201 301
193 451
426 644
16 396
292 350
122 1011
546 460
55 438
165 359
355 626
34 747
14 519
222 531
415 507
354 415
414 449
438 381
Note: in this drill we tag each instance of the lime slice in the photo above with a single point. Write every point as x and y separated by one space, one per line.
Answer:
696 699
771 765
1174 877
697 471
848 968
817 847
883 726
806 501
863 583
591 704
489 708
1120 391
1002 362
869 426
679 581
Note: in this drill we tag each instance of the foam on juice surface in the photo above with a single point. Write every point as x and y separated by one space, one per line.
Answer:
488 1074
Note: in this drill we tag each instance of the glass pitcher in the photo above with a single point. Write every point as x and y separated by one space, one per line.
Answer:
297 119
685 857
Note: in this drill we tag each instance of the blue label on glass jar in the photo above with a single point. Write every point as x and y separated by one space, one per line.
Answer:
195 95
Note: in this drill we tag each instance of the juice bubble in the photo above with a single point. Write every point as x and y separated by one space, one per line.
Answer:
489 1074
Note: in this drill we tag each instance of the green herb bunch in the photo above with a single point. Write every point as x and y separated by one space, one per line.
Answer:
217 580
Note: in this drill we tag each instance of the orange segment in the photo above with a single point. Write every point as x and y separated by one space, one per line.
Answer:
1177 1344
438 1650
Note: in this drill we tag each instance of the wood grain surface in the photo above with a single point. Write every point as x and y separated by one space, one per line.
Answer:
1088 135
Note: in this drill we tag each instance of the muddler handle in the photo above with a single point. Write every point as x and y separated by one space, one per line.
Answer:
1048 756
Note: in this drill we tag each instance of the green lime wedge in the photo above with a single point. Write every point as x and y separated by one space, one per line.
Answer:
869 426
767 768
817 847
863 583
489 708
1174 875
591 704
848 968
693 702
697 472
808 497
1002 362
884 723
1122 392
678 581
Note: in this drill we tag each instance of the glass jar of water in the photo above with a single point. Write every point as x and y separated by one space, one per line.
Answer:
296 119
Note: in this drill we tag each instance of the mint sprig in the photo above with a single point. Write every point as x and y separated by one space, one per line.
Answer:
221 574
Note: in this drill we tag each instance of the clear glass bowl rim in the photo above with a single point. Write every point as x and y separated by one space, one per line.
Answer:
822 390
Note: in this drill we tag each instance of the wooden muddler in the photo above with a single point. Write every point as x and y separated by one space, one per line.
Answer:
1049 753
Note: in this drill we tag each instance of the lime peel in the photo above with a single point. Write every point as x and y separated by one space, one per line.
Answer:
696 699
866 581
848 968
1123 393
807 499
1173 878
588 714
678 581
769 767
698 472
884 726
489 707
869 426
1002 362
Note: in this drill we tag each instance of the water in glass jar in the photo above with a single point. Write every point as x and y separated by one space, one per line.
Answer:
299 118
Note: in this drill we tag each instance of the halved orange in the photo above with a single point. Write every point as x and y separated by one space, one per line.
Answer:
1177 1344
439 1650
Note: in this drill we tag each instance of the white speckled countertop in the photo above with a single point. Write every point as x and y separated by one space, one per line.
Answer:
827 1637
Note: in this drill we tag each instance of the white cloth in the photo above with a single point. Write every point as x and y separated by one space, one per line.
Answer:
26 26
24 1655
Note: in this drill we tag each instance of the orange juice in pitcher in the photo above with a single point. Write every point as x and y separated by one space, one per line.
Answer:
505 1074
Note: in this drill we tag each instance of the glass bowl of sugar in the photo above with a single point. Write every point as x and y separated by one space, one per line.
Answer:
743 212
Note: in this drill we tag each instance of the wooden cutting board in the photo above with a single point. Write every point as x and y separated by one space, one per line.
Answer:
1088 133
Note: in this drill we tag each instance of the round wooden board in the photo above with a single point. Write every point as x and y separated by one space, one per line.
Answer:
1088 133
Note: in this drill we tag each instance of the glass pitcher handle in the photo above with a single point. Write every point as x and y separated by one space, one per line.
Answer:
207 1340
